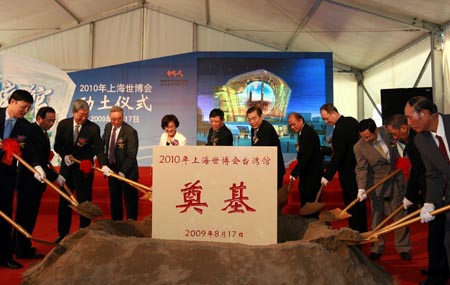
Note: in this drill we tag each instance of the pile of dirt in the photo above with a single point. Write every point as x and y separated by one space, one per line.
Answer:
124 253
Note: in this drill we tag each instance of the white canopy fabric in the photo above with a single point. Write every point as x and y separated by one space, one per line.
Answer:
363 35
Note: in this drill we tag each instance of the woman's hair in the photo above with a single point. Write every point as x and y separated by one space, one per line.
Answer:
169 118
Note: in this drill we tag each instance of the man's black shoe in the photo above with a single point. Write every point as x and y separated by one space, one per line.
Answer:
405 256
374 256
10 263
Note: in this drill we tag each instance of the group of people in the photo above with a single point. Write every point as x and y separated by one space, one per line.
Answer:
364 154
76 139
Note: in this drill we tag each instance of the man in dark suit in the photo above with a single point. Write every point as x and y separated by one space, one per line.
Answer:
432 140
121 142
218 134
309 166
29 190
397 126
12 125
345 135
376 157
264 134
80 138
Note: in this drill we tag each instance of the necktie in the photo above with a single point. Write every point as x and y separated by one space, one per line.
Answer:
112 146
213 137
46 136
442 148
76 131
380 149
8 128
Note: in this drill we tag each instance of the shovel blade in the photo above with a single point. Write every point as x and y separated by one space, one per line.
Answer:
359 241
44 242
311 208
282 196
333 215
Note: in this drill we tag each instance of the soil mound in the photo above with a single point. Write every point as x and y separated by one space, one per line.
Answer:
108 252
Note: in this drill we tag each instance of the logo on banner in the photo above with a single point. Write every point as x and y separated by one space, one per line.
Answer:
174 73
174 78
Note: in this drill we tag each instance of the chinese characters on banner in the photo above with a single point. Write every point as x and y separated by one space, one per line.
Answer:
223 194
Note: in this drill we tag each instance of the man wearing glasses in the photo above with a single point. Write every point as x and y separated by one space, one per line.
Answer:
12 125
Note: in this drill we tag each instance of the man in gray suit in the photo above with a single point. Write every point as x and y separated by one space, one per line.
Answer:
376 156
432 140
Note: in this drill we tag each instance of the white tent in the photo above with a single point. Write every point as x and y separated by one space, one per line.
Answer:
376 44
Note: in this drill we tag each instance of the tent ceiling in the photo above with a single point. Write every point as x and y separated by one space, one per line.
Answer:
358 32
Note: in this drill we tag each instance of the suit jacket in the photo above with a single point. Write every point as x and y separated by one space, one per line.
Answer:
20 132
38 156
309 156
125 152
88 144
178 136
437 169
345 135
371 167
267 136
223 137
417 183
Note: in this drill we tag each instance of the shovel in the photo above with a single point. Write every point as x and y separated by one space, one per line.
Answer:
141 187
380 225
24 232
86 209
311 208
338 214
283 193
391 228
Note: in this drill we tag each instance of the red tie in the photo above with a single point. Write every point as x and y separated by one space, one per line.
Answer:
442 148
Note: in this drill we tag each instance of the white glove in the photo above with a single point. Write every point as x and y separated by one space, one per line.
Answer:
407 203
324 181
61 180
67 160
121 174
291 177
425 215
40 174
106 170
362 195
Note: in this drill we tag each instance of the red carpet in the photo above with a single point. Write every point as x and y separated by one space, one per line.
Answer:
404 272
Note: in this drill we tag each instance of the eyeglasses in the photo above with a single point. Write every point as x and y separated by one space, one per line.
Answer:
25 107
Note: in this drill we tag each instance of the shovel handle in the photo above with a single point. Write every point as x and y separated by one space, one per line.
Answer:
395 212
65 186
378 184
23 231
15 225
31 168
319 193
138 186
410 221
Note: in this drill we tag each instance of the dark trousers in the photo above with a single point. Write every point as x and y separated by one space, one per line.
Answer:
7 185
29 194
437 257
118 192
81 185
358 220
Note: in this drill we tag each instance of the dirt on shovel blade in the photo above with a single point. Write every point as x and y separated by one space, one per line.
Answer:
88 209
